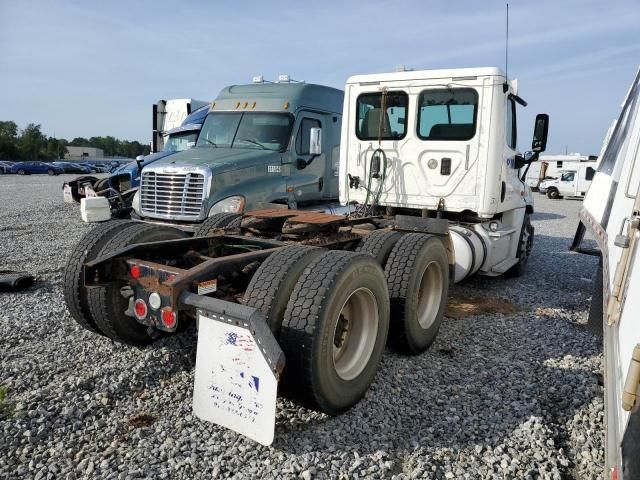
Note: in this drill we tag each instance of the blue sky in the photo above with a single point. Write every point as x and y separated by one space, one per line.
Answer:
94 68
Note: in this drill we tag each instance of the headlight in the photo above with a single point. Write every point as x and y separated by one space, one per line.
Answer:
233 204
135 203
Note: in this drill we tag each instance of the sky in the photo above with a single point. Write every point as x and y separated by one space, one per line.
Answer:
86 69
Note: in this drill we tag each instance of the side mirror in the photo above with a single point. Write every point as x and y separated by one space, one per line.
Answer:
139 158
540 133
315 141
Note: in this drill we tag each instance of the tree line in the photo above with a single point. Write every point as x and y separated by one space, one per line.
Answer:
29 143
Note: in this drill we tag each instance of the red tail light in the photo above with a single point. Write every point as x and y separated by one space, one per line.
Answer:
169 318
135 271
140 309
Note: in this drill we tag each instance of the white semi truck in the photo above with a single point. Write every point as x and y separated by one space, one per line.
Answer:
429 175
611 212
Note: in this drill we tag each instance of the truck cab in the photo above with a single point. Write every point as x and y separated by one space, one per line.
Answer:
571 183
261 143
443 143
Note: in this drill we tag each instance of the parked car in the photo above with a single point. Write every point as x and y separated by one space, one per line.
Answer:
27 168
5 166
70 167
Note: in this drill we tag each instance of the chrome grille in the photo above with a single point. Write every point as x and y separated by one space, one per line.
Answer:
172 195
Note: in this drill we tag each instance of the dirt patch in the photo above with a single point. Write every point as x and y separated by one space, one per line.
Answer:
462 306
141 420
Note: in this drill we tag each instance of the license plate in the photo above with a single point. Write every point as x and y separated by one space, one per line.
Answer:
234 385
66 194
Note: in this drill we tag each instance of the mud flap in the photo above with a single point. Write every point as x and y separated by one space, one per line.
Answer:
238 365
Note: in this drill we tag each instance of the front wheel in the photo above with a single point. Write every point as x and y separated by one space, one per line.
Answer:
525 245
50 172
21 171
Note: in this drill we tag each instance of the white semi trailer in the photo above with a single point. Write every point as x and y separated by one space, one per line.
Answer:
611 212
432 191
169 114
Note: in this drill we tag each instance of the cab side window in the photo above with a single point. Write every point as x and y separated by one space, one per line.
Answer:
511 127
303 137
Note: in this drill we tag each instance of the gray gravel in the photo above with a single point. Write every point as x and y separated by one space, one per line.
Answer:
495 397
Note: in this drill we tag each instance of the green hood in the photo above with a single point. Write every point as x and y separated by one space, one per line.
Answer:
221 159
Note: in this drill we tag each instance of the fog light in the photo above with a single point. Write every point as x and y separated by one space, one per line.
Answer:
169 317
140 309
155 301
493 226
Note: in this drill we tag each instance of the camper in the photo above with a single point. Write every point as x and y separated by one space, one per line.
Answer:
572 183
170 114
551 166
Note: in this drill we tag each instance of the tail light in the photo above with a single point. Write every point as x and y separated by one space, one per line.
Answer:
135 271
140 309
169 318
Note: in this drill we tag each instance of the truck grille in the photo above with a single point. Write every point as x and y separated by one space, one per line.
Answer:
172 195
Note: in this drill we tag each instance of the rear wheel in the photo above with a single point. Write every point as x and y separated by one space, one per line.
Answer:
553 194
272 284
417 274
379 244
217 222
108 304
75 293
334 330
50 172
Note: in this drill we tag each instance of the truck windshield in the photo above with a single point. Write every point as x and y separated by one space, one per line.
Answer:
264 131
178 142
567 176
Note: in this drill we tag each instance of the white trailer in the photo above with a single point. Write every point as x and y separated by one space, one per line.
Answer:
430 178
611 211
169 114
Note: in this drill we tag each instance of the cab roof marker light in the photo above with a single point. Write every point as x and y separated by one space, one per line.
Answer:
246 104
258 79
284 78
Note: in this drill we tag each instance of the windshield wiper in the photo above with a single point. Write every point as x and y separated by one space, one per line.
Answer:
209 141
255 142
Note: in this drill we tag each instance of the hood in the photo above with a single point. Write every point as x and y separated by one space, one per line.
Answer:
221 158
132 167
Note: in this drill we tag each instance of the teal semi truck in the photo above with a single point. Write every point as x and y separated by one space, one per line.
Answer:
272 145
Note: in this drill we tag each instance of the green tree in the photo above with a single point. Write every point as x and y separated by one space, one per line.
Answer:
32 144
9 141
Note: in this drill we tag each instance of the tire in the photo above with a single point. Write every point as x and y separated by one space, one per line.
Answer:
417 274
272 284
75 293
50 172
107 304
553 194
21 172
218 221
101 184
525 245
379 244
320 373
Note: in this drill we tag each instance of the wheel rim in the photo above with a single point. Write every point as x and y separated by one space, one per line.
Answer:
355 333
430 295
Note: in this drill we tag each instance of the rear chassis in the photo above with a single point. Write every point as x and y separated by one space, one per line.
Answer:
181 271
116 189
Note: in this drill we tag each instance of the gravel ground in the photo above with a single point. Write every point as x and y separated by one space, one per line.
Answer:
496 396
